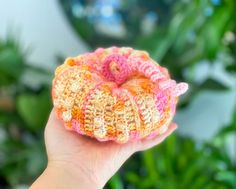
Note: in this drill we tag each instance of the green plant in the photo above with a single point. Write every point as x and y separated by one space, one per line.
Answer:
200 30
180 162
192 36
23 113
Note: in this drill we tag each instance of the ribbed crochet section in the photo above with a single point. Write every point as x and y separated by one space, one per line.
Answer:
117 94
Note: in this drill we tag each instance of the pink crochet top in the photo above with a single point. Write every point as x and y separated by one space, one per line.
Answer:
117 94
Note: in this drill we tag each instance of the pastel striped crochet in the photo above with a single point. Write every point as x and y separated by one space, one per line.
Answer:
117 94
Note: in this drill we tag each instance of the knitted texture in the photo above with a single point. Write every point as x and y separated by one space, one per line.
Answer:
117 94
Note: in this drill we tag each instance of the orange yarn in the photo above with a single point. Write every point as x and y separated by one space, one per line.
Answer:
118 94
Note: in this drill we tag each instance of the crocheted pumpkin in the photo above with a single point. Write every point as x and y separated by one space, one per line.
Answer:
118 94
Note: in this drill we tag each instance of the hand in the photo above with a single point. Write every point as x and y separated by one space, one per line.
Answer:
75 160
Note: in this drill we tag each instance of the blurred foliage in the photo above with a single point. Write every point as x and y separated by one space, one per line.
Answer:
200 30
23 114
192 32
185 33
180 162
100 25
10 57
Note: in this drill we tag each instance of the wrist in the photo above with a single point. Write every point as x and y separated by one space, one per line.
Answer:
78 175
61 175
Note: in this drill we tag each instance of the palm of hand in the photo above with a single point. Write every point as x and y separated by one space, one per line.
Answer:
99 160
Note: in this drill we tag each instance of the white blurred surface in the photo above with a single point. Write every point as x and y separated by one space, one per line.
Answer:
209 110
42 27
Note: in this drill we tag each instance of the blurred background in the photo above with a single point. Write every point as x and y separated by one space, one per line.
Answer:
194 39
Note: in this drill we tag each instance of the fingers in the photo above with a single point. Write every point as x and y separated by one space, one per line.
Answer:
54 125
53 120
52 117
149 143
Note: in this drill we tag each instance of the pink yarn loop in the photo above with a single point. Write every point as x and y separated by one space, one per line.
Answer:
115 68
180 89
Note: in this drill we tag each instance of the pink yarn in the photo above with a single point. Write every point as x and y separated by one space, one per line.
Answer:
76 126
117 94
122 70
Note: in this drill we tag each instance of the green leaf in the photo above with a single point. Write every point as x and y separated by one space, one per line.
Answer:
228 177
212 84
11 66
36 159
34 109
214 30
116 182
164 44
231 68
132 177
150 164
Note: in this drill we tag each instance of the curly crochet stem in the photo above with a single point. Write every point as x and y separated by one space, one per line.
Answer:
147 68
115 68
158 74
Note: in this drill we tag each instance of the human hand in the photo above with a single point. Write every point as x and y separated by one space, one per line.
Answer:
76 161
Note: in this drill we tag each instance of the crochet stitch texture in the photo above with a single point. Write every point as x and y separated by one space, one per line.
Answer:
117 94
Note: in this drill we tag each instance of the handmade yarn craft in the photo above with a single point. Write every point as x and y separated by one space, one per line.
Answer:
117 94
